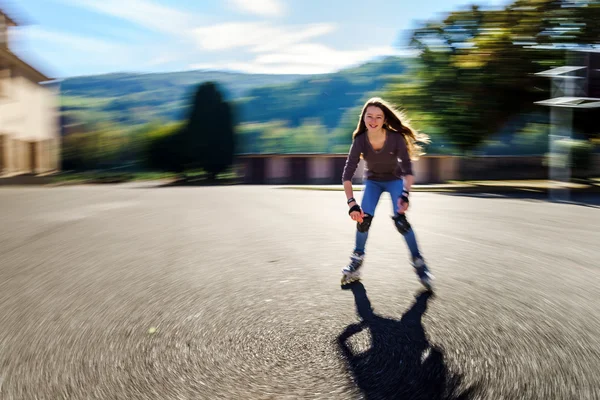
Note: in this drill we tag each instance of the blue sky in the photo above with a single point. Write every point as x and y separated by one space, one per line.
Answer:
82 37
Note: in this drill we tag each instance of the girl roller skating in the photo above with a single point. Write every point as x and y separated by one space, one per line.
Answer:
387 144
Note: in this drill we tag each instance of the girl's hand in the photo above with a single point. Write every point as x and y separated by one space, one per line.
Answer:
403 203
356 215
402 206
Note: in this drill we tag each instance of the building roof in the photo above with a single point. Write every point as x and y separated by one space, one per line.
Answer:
14 59
571 102
11 20
561 72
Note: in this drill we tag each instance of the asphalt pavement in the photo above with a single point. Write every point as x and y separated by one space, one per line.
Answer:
233 292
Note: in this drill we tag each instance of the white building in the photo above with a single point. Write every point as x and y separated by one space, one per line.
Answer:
29 113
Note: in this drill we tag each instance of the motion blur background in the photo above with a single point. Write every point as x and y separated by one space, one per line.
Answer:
210 267
90 89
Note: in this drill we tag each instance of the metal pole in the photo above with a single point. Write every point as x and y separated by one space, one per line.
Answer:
561 126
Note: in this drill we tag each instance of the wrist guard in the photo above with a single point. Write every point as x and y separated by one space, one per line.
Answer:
355 207
404 196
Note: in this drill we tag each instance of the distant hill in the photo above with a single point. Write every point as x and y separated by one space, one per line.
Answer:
325 97
132 99
122 84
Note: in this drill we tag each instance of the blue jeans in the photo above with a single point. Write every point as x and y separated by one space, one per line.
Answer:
370 199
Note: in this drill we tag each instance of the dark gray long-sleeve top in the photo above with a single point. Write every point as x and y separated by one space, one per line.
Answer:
389 163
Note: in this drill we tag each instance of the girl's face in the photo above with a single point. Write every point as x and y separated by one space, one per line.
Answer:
374 118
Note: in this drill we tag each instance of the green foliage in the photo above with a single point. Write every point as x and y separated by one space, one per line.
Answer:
578 153
309 137
161 150
110 146
477 67
278 137
533 139
272 139
341 137
137 99
249 137
474 77
98 149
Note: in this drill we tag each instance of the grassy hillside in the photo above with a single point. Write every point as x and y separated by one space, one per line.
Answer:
122 84
323 97
132 99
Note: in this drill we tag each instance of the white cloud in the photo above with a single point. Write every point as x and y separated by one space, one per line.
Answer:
263 8
142 12
284 39
256 36
252 46
302 59
163 58
318 54
255 68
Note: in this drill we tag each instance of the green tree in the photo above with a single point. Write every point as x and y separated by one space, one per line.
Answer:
208 136
477 67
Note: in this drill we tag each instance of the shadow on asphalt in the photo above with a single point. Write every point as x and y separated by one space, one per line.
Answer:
400 362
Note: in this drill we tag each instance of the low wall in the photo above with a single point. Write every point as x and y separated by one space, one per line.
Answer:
325 169
515 167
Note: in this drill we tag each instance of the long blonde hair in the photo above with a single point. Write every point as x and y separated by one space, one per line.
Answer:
395 121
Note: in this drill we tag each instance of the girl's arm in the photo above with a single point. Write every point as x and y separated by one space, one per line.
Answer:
407 172
349 192
406 162
408 182
350 168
